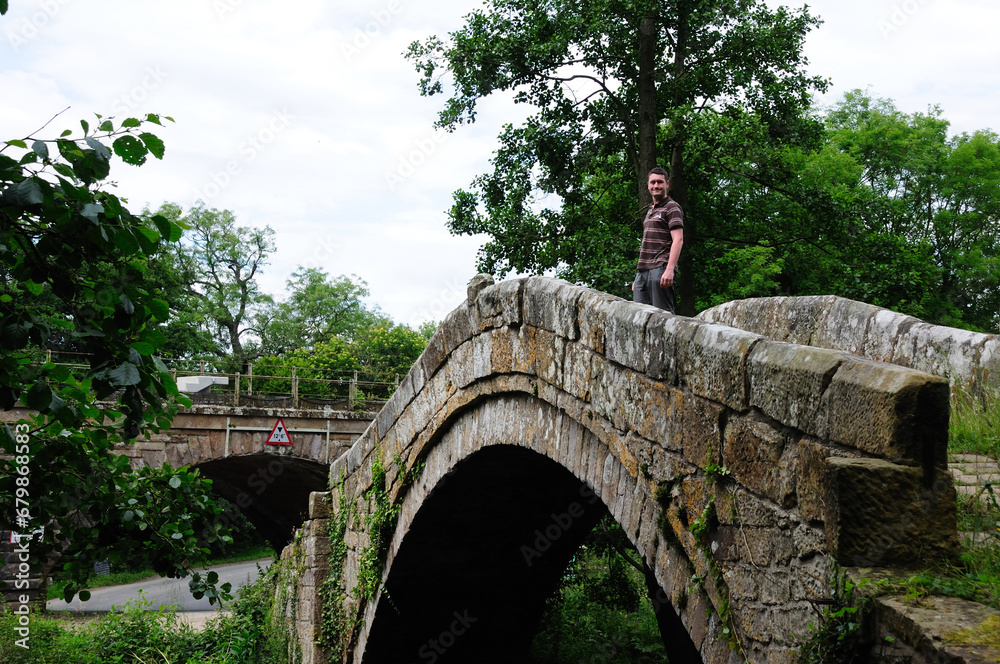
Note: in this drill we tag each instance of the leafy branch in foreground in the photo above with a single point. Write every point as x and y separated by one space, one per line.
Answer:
73 263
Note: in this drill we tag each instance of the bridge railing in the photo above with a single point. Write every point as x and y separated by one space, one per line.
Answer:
268 384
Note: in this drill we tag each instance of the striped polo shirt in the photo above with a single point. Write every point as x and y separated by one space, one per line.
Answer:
661 218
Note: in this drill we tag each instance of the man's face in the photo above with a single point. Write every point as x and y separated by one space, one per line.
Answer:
657 186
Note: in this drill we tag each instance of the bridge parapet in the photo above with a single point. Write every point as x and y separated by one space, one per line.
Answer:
970 360
753 465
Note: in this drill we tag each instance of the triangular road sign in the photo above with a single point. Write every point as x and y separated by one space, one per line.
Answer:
279 434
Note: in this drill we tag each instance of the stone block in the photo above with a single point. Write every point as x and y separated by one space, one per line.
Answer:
550 351
593 309
810 488
513 350
846 326
399 400
477 284
550 304
662 334
879 514
319 505
625 334
701 430
500 305
632 402
761 458
713 364
578 371
892 412
461 367
789 383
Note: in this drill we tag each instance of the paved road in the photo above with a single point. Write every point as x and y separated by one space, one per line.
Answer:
161 592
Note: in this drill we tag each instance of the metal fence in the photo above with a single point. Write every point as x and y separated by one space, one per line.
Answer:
270 385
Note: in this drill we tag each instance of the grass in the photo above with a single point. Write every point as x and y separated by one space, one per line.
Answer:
974 429
54 590
136 634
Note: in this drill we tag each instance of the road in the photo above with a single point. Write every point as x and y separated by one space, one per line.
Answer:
161 592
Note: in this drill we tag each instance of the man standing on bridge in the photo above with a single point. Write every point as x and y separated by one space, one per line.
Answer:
662 239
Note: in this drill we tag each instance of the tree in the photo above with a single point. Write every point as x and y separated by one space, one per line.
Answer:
72 246
317 309
220 261
615 84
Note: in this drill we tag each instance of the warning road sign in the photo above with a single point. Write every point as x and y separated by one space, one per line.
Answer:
279 434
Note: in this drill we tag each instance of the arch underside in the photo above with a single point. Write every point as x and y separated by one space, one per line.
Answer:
508 493
271 490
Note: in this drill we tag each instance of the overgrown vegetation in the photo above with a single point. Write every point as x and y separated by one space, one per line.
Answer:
599 612
251 634
975 576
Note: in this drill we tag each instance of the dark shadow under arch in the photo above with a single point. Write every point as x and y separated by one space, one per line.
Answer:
271 490
487 547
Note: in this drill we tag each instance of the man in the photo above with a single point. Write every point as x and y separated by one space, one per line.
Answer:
662 239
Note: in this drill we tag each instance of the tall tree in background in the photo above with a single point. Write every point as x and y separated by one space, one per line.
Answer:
220 261
317 309
618 86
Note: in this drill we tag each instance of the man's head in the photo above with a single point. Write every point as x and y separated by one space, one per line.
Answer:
657 183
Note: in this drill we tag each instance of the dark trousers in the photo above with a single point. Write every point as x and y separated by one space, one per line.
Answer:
646 289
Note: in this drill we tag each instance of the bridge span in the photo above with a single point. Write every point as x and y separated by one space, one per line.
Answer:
745 471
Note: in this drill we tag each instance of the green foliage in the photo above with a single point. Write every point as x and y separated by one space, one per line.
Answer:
219 261
336 629
616 88
51 642
318 309
380 351
839 638
381 524
73 264
251 633
599 613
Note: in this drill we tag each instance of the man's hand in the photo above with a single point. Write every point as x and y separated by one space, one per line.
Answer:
667 278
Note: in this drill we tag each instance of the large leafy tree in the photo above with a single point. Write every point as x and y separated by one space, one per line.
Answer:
617 86
72 276
220 261
917 213
317 309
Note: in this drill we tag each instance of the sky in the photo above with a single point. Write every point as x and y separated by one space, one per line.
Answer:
306 117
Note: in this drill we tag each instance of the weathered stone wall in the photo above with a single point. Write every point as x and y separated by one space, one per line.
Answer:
303 566
750 464
967 359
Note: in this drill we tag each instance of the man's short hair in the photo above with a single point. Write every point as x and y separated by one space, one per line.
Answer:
659 171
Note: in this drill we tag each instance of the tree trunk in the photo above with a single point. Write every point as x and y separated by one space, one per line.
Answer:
678 178
648 119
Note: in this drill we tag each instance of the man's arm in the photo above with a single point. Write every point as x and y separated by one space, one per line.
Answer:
677 241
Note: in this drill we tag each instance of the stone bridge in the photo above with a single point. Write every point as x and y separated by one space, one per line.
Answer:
745 471
270 484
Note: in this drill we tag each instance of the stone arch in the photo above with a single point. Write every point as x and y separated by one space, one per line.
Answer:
748 468
509 491
271 489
